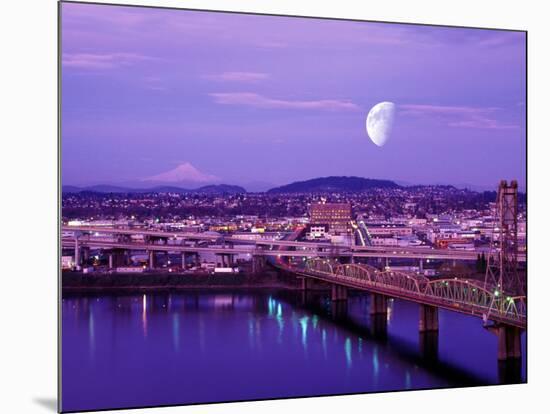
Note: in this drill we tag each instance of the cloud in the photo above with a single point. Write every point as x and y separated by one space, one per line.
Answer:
482 123
238 77
259 101
185 172
102 61
459 116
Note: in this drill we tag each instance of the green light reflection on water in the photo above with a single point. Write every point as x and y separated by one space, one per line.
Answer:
303 324
347 346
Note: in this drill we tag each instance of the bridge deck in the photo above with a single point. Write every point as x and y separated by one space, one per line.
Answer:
462 296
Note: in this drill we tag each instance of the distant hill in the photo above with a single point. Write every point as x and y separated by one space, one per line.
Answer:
331 184
106 189
220 189
71 189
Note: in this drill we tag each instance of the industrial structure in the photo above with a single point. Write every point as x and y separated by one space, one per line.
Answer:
502 268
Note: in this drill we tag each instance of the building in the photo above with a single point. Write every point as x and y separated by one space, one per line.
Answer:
455 243
387 229
384 240
336 215
316 231
67 262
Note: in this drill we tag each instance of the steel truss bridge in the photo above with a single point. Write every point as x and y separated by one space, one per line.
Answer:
460 295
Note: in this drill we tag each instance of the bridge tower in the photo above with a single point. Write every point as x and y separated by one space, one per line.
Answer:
502 272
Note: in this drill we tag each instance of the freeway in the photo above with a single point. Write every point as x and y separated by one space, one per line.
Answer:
102 244
304 248
256 250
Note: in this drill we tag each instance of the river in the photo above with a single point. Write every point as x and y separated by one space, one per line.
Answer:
138 350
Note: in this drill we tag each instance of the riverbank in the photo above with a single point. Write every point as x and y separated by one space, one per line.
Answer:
99 282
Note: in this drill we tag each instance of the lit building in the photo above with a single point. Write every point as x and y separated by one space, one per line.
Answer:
67 262
316 231
378 230
336 215
384 240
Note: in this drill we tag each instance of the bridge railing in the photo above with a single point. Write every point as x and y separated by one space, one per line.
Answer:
462 293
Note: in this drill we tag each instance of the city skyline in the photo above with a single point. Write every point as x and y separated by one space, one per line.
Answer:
155 96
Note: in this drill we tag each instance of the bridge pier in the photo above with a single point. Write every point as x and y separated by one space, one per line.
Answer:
76 254
117 258
429 319
509 342
194 259
509 371
379 325
339 309
421 266
85 253
258 263
378 304
151 259
305 284
429 344
378 311
305 298
338 293
226 259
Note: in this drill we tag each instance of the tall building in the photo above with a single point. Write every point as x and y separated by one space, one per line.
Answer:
337 216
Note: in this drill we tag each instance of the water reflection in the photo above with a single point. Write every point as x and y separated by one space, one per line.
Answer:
91 333
509 372
258 334
263 345
429 345
347 346
144 315
375 362
303 324
280 323
324 342
176 331
407 380
201 333
389 311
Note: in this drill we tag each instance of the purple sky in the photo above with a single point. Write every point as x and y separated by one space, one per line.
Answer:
190 98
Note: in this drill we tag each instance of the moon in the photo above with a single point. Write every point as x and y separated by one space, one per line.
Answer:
380 122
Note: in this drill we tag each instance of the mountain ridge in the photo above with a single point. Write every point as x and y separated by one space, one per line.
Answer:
314 185
105 189
333 183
